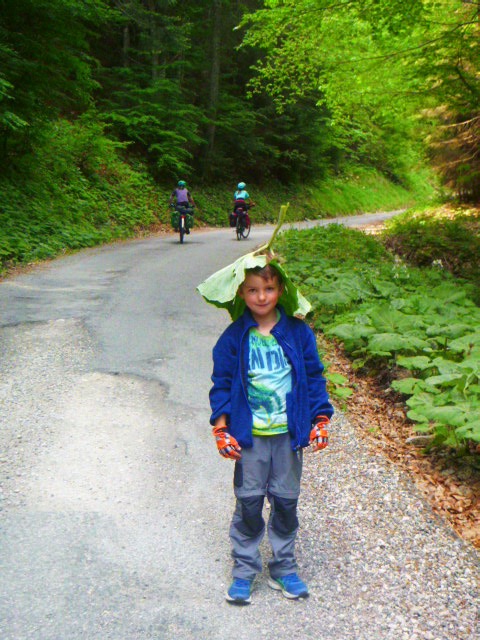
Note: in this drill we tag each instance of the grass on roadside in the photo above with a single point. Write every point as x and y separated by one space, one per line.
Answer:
446 237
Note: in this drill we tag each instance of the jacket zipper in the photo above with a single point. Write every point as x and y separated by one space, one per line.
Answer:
289 352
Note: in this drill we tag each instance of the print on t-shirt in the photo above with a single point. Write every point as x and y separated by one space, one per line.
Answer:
269 381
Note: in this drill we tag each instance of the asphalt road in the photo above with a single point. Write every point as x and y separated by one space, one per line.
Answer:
114 503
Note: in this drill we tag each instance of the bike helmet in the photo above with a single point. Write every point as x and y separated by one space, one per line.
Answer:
241 185
181 183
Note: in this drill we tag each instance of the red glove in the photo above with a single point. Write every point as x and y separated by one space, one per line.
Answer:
227 446
319 433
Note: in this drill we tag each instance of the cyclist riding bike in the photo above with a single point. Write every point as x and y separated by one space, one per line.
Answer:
184 201
241 200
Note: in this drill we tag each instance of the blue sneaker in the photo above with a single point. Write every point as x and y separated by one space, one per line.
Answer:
291 586
239 591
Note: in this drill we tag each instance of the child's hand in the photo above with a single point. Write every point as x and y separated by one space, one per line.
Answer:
319 434
227 446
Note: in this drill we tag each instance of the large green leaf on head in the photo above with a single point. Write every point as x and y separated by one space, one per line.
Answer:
221 288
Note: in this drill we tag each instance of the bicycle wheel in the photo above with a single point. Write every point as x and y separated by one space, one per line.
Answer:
243 228
239 228
181 228
246 229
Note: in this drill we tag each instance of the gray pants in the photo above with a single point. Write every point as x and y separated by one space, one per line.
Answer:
270 468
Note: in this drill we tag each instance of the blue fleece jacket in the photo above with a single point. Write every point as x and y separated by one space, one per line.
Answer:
308 398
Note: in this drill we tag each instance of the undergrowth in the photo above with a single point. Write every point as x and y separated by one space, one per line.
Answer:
446 237
79 195
419 324
364 190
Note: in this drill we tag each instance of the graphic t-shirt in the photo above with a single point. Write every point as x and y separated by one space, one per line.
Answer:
269 381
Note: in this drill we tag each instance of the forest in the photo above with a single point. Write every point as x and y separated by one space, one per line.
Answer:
338 106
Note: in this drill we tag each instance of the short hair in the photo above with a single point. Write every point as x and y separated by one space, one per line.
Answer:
268 272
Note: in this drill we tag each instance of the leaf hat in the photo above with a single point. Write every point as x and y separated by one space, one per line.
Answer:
221 288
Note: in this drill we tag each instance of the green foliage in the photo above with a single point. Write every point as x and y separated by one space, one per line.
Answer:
364 191
338 385
335 86
446 73
360 190
392 316
74 191
46 67
79 195
377 65
158 120
446 238
255 141
370 118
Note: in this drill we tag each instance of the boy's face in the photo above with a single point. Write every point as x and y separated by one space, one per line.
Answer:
261 296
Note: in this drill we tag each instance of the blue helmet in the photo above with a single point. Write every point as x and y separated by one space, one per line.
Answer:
241 185
181 183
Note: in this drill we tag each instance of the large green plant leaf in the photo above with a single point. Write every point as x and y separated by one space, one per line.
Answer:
385 288
386 319
422 425
444 379
386 343
453 331
408 385
336 378
446 415
333 298
221 288
415 362
420 401
470 431
349 332
465 343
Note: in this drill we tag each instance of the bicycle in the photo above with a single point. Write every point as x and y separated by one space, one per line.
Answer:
244 224
182 220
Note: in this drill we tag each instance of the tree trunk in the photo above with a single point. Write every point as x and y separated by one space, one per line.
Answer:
125 46
214 83
154 40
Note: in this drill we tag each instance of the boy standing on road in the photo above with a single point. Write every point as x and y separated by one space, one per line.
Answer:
268 401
